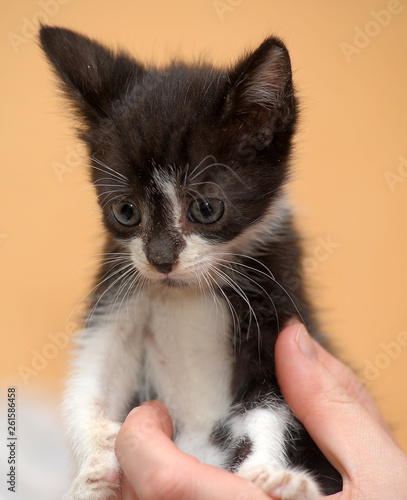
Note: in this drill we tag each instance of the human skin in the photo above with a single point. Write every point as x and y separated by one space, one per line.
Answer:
325 395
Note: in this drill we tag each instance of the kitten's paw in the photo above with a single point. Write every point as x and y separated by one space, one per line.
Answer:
282 484
99 475
98 483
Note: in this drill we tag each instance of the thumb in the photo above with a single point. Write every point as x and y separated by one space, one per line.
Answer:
155 468
341 427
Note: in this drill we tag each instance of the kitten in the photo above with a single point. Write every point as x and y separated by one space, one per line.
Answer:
202 263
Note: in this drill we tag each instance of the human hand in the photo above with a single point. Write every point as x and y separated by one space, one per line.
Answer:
155 469
326 396
341 417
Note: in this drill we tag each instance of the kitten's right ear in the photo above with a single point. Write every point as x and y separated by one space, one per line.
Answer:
261 97
91 76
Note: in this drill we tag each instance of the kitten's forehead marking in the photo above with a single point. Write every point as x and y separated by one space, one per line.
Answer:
165 183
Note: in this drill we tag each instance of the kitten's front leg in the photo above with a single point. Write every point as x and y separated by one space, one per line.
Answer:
98 475
103 381
266 465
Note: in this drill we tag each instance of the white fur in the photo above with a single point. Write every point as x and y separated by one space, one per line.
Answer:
168 189
186 347
282 484
262 231
197 256
171 342
103 378
265 427
179 335
267 465
189 360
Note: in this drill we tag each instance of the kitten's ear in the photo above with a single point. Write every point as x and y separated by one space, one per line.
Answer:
261 96
91 76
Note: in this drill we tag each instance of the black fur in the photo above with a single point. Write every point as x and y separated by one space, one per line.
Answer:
137 120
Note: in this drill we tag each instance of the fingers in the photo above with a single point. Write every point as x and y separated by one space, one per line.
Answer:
326 397
127 490
143 447
351 384
158 417
155 469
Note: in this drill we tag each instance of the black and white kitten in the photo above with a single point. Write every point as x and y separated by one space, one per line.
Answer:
202 264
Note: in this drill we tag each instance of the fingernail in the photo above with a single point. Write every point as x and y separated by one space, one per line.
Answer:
305 343
133 411
292 321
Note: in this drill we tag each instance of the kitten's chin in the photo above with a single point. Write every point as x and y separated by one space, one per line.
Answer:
172 281
176 283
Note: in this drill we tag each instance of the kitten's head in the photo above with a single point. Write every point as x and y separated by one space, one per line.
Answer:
188 161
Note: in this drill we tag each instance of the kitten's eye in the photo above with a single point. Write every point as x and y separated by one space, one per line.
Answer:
126 213
206 211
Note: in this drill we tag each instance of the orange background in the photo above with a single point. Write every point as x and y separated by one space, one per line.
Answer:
350 163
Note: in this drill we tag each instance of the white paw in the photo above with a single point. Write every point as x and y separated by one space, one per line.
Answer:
282 484
99 474
91 485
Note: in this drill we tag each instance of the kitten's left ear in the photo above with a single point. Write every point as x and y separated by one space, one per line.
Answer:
93 77
261 96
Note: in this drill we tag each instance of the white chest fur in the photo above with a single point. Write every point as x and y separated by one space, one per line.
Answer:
188 363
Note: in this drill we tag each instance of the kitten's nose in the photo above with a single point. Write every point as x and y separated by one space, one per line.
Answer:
162 251
162 267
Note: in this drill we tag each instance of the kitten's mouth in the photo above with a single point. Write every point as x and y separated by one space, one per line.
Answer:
176 277
172 280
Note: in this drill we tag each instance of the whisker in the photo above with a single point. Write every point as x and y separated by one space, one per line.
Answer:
258 285
269 275
105 277
110 199
114 172
121 194
219 165
220 188
185 176
203 161
243 295
235 318
99 184
216 301
114 258
200 197
131 280
233 284
121 276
